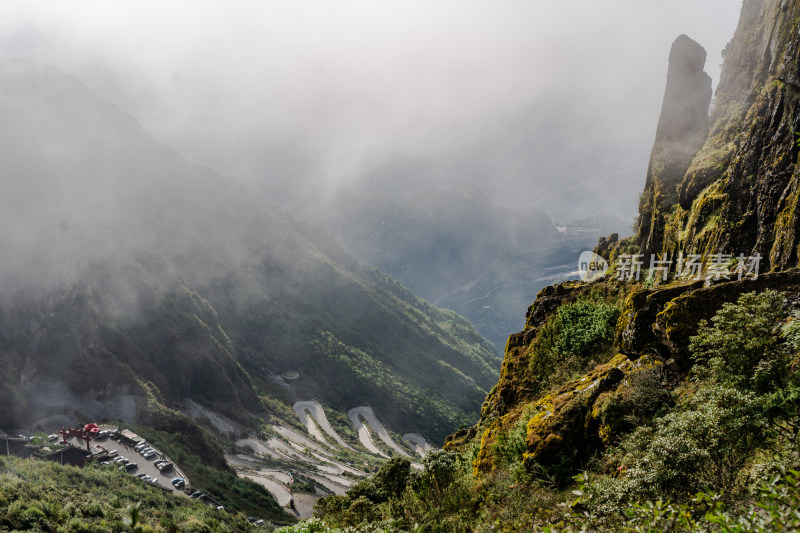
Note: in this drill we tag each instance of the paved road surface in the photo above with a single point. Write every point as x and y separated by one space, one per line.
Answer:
418 443
369 417
312 407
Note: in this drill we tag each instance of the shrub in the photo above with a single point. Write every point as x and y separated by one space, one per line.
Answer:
393 477
777 510
576 334
440 470
741 344
704 444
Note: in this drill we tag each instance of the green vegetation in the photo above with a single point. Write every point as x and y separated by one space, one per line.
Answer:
715 450
741 347
578 336
44 496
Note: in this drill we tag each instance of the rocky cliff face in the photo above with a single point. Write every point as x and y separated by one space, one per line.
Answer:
727 184
682 127
739 192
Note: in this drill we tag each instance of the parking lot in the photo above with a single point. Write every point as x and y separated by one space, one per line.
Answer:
126 448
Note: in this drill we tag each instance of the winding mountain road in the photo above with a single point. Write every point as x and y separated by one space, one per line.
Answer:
356 414
308 409
418 443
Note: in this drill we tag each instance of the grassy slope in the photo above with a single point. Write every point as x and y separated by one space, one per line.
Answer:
39 495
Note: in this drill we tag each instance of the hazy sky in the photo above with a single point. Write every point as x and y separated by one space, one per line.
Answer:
541 103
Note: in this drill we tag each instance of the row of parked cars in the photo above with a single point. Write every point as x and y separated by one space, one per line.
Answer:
147 452
162 465
123 462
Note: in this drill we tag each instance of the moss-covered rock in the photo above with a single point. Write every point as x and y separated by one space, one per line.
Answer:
635 335
514 387
580 418
571 422
682 127
678 321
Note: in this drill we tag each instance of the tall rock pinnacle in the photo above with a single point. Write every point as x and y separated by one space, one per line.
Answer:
682 128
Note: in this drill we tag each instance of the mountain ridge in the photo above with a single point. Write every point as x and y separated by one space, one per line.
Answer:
183 285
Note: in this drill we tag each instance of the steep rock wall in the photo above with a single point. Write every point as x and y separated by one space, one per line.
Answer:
733 188
682 127
740 192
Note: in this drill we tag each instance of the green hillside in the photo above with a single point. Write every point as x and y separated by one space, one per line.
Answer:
130 272
458 249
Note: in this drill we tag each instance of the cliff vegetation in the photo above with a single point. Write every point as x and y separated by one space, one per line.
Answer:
659 401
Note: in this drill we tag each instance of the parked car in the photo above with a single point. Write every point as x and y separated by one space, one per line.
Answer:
105 463
148 455
140 446
123 460
259 522
164 467
113 453
52 437
131 466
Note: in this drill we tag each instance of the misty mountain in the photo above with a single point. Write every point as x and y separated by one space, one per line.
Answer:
128 273
457 249
534 103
